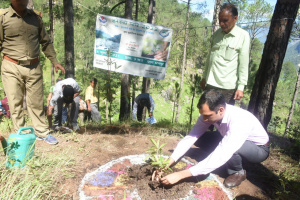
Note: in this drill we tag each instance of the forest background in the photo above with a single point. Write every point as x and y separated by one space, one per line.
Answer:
172 14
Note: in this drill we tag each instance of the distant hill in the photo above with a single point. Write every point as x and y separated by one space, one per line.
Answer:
293 53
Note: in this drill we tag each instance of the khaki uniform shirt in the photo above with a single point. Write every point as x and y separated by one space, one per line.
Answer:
20 37
90 95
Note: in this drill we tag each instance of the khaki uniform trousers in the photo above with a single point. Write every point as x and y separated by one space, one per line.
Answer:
16 79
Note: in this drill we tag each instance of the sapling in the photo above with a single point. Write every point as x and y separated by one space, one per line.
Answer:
157 160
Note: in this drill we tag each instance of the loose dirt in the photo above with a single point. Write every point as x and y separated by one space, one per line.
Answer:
92 148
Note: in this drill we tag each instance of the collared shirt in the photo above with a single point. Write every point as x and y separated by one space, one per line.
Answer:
90 95
237 126
20 37
228 61
58 92
149 103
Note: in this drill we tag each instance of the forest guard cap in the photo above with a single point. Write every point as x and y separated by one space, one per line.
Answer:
68 94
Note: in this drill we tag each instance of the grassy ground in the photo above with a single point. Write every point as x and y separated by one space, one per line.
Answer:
39 179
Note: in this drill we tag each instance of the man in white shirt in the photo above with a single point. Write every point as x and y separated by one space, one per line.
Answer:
65 92
241 137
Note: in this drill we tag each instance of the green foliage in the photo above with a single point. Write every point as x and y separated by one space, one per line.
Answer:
156 159
37 179
4 3
292 53
169 13
5 125
295 35
283 99
194 89
109 90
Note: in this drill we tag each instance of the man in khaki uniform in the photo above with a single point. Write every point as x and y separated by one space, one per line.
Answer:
21 33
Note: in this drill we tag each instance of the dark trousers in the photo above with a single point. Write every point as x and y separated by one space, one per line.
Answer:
249 151
72 112
229 94
140 113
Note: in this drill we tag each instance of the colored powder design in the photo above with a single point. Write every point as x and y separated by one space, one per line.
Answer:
103 179
208 190
106 197
121 179
113 178
180 165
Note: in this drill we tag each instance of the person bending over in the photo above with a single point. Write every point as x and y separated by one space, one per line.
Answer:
141 101
65 92
241 137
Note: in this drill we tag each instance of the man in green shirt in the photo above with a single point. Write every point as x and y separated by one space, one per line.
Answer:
227 65
22 32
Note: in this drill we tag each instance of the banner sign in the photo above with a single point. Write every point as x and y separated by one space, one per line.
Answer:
132 47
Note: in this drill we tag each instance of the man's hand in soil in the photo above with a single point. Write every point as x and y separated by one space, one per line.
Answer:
175 177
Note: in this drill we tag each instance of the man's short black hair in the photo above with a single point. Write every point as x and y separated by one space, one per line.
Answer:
214 99
231 8
68 94
94 79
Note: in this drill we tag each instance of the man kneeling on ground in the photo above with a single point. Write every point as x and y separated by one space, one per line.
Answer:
65 92
241 136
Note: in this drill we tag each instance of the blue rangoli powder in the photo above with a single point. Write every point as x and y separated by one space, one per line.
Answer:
103 179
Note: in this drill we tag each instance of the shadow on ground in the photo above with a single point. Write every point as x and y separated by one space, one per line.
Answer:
271 185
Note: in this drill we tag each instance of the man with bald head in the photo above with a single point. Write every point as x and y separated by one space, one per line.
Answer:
22 33
228 61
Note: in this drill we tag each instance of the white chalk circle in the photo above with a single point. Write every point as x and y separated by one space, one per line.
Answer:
95 185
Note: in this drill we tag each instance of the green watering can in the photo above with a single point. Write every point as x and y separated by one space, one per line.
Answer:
20 148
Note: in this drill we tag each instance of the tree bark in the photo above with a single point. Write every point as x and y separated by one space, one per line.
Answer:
183 60
150 20
125 80
69 38
133 78
52 38
263 92
215 21
293 106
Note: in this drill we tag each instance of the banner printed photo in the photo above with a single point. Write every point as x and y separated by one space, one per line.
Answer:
135 48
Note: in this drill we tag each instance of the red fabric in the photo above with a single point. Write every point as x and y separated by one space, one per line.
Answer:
5 106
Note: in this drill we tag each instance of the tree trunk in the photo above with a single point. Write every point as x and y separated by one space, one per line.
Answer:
69 38
52 38
293 105
192 105
183 60
125 80
107 111
150 20
215 21
133 78
136 10
263 92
